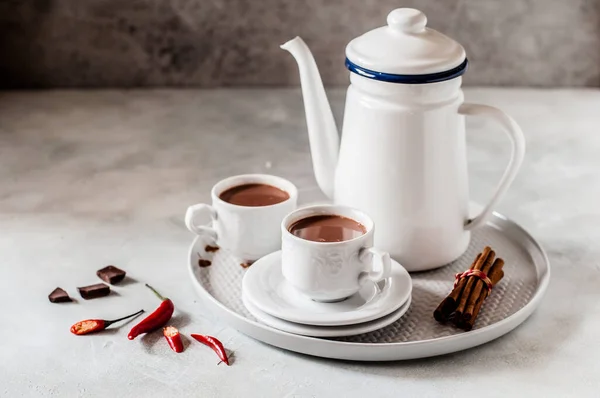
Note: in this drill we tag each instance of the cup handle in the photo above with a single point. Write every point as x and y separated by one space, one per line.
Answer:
371 256
193 212
517 139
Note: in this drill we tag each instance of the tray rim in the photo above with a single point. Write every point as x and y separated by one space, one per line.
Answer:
431 347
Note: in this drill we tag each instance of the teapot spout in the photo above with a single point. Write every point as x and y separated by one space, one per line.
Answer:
322 131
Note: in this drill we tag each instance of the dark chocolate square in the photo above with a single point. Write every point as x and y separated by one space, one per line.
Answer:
58 295
94 291
111 274
211 249
204 263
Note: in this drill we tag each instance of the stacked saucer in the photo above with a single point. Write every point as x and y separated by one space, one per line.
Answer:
274 302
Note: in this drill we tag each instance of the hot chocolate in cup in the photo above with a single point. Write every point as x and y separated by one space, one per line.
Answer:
328 253
246 214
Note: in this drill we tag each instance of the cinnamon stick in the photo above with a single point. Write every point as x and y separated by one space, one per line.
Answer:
448 305
484 263
469 323
479 296
473 288
496 274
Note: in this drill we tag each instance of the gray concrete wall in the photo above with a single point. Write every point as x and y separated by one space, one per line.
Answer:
211 43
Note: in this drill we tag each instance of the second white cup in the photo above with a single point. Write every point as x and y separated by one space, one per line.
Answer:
331 271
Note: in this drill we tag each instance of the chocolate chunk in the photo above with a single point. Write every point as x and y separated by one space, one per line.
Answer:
203 263
211 249
94 291
111 274
58 295
246 264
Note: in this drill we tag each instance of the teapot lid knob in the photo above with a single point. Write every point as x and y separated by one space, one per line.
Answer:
407 20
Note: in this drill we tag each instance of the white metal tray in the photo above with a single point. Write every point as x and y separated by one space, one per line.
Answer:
416 334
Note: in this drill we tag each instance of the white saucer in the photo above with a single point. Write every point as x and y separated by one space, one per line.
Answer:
265 288
326 331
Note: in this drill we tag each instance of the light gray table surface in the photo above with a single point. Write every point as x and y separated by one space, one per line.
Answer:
90 178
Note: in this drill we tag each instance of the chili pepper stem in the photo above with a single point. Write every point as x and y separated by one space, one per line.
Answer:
230 355
155 292
108 323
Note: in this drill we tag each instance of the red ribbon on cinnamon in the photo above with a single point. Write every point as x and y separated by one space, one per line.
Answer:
476 273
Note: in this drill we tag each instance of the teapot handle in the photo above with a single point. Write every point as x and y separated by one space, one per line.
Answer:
516 158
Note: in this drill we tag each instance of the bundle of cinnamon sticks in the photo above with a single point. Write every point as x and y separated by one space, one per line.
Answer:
463 304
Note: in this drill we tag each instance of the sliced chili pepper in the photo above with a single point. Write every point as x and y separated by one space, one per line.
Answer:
215 344
173 338
95 325
156 320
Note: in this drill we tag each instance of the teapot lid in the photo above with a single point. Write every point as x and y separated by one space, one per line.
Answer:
406 51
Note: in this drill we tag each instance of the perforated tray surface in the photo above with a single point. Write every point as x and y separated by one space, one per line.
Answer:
416 334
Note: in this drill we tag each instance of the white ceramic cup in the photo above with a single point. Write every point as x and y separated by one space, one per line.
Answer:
248 232
331 271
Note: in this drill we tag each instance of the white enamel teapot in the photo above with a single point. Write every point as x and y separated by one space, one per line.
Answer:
402 155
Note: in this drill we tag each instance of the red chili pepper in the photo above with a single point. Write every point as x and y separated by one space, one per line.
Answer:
215 344
95 325
173 338
156 320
